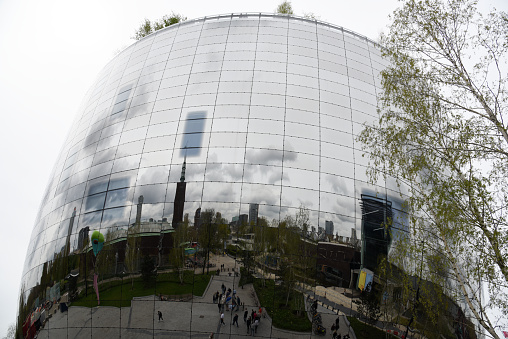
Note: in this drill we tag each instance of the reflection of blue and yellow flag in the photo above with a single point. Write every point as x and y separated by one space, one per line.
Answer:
361 281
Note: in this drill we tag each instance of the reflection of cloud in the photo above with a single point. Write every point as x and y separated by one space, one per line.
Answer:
220 172
338 185
263 194
151 193
275 177
263 156
153 175
290 156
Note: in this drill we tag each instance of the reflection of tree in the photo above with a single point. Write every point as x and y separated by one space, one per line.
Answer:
417 291
177 254
206 235
131 250
105 259
368 304
148 272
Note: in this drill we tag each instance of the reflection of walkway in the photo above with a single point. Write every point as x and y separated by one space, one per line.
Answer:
339 300
193 319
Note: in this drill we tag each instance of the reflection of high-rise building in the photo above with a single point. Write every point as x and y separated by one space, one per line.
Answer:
243 219
179 198
253 214
83 237
329 227
375 230
264 109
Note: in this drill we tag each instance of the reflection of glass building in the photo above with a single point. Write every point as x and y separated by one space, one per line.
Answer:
260 110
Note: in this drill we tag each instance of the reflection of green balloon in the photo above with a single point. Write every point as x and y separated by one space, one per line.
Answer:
97 242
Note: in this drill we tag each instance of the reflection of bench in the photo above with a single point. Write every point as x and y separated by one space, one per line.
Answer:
176 297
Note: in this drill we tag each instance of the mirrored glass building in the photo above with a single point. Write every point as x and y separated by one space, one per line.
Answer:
218 135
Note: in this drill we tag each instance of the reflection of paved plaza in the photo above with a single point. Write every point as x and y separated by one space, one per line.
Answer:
192 319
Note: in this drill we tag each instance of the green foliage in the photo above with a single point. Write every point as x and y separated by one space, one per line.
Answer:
148 27
232 250
119 293
364 331
245 277
144 29
442 135
284 8
291 317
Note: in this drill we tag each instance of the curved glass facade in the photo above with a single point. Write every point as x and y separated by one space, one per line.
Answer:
247 119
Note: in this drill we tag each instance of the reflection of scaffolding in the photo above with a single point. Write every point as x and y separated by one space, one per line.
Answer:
376 238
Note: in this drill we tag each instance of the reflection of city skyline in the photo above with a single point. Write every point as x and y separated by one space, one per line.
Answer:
261 134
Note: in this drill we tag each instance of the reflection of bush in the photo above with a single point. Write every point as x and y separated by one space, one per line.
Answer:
245 277
118 292
364 331
291 317
369 303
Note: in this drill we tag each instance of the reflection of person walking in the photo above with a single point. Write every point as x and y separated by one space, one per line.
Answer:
160 315
222 319
235 319
248 325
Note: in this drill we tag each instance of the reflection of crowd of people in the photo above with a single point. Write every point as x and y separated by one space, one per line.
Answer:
229 301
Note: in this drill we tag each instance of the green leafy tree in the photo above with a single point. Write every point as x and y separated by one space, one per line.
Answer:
442 133
147 27
144 29
285 8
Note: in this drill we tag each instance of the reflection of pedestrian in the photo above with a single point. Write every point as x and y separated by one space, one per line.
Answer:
222 319
160 315
248 325
235 319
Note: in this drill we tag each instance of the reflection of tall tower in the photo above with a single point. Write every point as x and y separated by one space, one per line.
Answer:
197 218
139 210
179 197
253 214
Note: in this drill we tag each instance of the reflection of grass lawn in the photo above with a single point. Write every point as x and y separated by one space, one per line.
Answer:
273 299
120 293
364 331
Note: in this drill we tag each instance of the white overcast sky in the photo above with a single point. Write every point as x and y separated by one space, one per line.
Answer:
51 52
